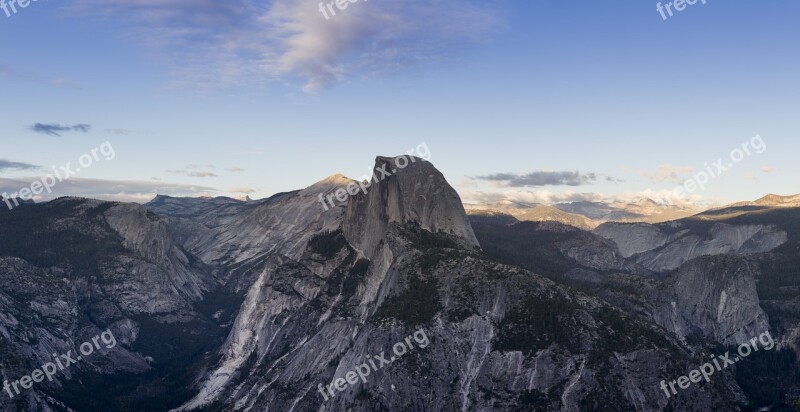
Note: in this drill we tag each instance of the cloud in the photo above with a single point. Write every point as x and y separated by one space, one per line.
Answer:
768 169
117 190
667 172
246 43
234 169
541 178
118 131
201 174
57 129
242 190
190 170
31 76
9 165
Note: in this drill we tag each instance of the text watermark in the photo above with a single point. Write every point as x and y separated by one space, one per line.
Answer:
362 371
365 182
49 369
708 369
60 174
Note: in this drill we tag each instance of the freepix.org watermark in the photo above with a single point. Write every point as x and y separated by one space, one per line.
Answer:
755 145
362 371
49 369
680 5
719 363
46 183
10 6
340 4
380 173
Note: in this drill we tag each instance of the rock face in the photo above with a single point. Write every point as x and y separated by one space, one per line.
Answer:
714 297
710 297
665 247
416 193
635 238
77 267
500 338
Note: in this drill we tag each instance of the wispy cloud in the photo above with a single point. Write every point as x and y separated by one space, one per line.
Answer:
768 169
190 173
9 165
196 170
118 131
667 173
201 174
541 178
57 129
244 42
31 76
234 169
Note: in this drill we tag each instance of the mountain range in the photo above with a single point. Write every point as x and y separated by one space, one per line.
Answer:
219 304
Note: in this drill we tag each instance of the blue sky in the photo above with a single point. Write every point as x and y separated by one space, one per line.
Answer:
511 97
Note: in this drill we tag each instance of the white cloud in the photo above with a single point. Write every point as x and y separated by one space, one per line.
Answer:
245 42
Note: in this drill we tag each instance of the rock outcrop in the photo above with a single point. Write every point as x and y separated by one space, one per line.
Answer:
667 246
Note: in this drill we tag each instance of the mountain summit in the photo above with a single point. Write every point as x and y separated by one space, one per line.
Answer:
416 193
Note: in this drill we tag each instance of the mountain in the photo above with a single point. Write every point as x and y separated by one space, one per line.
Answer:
667 246
12 202
777 201
765 203
530 213
642 210
583 215
76 267
393 298
719 281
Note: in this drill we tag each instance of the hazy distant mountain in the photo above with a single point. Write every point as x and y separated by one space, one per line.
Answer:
777 201
584 215
529 212
643 210
767 202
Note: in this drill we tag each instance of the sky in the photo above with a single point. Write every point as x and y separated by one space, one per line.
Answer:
537 101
